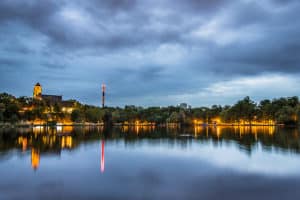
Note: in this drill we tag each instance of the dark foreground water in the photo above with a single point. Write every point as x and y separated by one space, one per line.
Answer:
148 163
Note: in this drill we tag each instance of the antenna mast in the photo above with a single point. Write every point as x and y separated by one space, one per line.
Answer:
103 95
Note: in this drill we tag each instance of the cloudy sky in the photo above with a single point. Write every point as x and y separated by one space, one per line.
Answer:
151 52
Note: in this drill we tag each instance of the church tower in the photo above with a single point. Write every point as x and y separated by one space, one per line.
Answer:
37 91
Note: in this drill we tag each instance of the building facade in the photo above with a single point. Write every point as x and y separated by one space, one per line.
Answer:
51 100
37 91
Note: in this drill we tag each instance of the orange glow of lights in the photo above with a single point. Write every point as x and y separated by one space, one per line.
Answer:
35 158
198 122
66 142
216 120
68 129
198 130
24 144
23 141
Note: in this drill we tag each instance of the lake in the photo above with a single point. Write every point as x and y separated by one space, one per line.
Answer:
150 163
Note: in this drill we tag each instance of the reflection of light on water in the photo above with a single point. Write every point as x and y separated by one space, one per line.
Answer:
240 130
125 128
38 129
59 129
49 140
269 140
35 158
67 129
102 163
198 130
23 141
53 129
218 132
66 142
137 129
24 144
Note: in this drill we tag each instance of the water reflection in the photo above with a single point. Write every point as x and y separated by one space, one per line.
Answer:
138 129
102 163
147 162
45 140
237 130
35 158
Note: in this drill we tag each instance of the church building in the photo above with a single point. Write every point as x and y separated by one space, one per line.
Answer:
67 106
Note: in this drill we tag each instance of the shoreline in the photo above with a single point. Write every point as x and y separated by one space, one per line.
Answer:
88 124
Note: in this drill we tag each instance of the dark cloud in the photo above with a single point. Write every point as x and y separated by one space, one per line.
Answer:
4 62
284 2
20 49
32 11
114 5
201 5
146 48
54 65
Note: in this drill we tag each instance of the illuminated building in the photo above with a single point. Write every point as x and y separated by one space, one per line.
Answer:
67 106
38 95
37 91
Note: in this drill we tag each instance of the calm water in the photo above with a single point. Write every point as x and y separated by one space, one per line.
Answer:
148 163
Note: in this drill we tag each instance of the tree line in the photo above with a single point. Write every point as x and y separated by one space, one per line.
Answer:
285 110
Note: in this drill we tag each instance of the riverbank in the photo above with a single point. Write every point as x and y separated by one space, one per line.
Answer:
28 125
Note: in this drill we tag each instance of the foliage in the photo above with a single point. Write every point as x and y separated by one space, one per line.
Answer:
281 110
76 116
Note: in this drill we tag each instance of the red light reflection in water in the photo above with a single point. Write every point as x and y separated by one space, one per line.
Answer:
102 157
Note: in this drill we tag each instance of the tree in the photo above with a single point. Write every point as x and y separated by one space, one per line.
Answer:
93 114
11 112
174 118
286 115
2 109
29 115
293 101
265 110
116 116
107 118
24 101
57 108
227 116
77 116
1 117
298 112
14 118
245 109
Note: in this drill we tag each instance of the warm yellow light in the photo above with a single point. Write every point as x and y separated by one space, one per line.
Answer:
35 158
197 122
66 142
216 120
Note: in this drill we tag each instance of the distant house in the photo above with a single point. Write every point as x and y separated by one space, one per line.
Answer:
66 106
184 106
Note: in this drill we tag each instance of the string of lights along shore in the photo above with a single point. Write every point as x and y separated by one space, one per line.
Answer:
103 94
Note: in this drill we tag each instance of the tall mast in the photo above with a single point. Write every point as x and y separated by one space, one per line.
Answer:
103 95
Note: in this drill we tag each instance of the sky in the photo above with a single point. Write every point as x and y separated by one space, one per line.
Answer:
151 52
